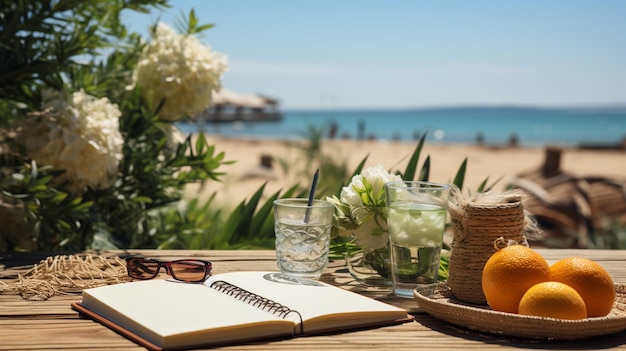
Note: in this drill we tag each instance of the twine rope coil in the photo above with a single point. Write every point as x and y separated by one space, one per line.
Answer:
478 221
65 275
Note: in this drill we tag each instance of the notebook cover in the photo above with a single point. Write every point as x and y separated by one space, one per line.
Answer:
153 347
115 327
77 306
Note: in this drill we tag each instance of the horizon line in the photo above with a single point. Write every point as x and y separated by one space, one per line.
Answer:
612 107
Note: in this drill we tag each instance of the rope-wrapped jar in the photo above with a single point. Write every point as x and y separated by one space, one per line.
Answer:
478 222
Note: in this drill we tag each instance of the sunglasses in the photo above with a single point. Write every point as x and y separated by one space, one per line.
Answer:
191 271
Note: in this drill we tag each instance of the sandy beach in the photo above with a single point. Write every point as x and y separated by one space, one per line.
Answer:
245 176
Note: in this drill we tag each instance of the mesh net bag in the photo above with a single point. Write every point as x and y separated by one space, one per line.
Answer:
66 275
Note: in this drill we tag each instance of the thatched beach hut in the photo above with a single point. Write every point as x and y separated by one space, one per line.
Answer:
229 106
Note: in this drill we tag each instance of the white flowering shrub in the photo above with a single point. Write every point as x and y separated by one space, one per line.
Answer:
79 135
179 71
96 168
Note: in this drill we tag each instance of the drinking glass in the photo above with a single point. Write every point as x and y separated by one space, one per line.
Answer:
302 236
416 221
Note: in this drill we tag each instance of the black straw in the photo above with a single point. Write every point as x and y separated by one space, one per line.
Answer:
311 195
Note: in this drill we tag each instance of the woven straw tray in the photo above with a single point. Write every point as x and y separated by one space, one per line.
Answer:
443 305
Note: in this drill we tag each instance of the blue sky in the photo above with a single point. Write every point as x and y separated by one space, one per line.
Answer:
405 54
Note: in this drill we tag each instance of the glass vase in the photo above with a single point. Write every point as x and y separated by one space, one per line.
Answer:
368 258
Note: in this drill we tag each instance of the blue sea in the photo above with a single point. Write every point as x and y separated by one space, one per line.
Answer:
493 125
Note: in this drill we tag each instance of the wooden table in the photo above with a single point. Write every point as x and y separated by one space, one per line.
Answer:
53 325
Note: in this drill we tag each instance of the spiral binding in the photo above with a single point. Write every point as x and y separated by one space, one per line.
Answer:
256 300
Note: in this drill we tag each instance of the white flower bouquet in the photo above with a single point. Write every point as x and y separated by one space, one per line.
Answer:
360 209
360 213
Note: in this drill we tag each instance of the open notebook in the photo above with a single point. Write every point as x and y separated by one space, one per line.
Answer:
231 308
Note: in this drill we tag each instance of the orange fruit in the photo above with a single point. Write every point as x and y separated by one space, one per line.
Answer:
553 299
590 280
509 272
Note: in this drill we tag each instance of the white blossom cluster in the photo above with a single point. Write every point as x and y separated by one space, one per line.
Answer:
368 188
80 135
180 70
360 209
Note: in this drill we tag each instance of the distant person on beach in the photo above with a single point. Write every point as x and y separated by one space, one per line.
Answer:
332 131
361 130
480 139
513 140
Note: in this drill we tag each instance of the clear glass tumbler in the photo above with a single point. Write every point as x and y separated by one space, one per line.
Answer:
302 236
416 219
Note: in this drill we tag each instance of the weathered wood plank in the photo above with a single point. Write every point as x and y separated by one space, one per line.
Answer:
70 333
53 325
424 334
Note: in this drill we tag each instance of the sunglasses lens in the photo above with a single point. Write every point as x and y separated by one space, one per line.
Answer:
140 268
189 271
